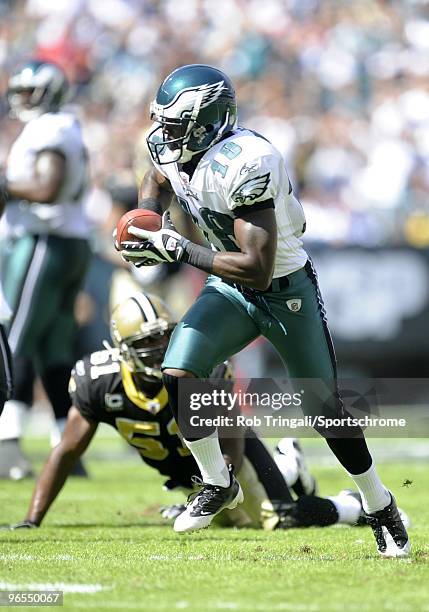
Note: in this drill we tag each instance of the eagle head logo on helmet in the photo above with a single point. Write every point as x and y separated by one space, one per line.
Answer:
194 107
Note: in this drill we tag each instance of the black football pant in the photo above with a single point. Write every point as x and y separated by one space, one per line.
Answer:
6 380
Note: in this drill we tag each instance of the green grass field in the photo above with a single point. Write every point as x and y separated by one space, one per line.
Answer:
104 535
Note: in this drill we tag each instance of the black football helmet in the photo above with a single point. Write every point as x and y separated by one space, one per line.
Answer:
194 107
35 88
141 327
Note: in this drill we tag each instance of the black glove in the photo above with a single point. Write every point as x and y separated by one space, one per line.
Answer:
24 525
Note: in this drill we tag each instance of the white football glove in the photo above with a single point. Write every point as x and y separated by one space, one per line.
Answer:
163 246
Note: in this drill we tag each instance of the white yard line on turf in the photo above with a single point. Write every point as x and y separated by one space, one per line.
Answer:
54 586
24 557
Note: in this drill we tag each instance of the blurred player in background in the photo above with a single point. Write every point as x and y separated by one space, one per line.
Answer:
46 253
123 387
233 184
6 379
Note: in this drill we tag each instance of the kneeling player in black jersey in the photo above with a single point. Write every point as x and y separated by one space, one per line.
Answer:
122 386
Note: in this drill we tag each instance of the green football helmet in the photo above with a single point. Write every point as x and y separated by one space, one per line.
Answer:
35 88
194 107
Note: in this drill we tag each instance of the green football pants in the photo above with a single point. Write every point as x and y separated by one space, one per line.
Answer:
223 320
41 276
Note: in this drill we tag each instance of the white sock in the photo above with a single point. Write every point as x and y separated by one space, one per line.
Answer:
348 508
374 494
12 420
210 460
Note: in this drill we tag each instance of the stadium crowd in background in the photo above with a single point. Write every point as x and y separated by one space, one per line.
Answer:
341 89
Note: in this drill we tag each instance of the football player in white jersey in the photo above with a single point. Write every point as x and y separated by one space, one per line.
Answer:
46 253
234 185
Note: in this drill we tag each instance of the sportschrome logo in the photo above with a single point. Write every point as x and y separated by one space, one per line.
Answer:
251 189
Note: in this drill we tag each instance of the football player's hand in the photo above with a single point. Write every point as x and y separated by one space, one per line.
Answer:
171 512
24 525
163 246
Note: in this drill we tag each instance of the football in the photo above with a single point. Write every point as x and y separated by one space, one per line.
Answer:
139 217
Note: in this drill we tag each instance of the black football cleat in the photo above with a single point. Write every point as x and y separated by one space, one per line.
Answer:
203 506
389 531
306 511
277 514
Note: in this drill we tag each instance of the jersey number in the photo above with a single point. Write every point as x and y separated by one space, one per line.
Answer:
140 435
220 224
230 150
100 366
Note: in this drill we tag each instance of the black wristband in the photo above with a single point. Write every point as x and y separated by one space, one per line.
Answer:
151 204
198 256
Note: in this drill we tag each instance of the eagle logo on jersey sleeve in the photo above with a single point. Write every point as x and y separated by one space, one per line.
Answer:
251 190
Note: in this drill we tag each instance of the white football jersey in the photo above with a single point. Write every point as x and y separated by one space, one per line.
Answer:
241 172
65 217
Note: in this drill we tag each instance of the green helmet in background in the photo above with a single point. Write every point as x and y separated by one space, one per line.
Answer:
37 87
194 107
